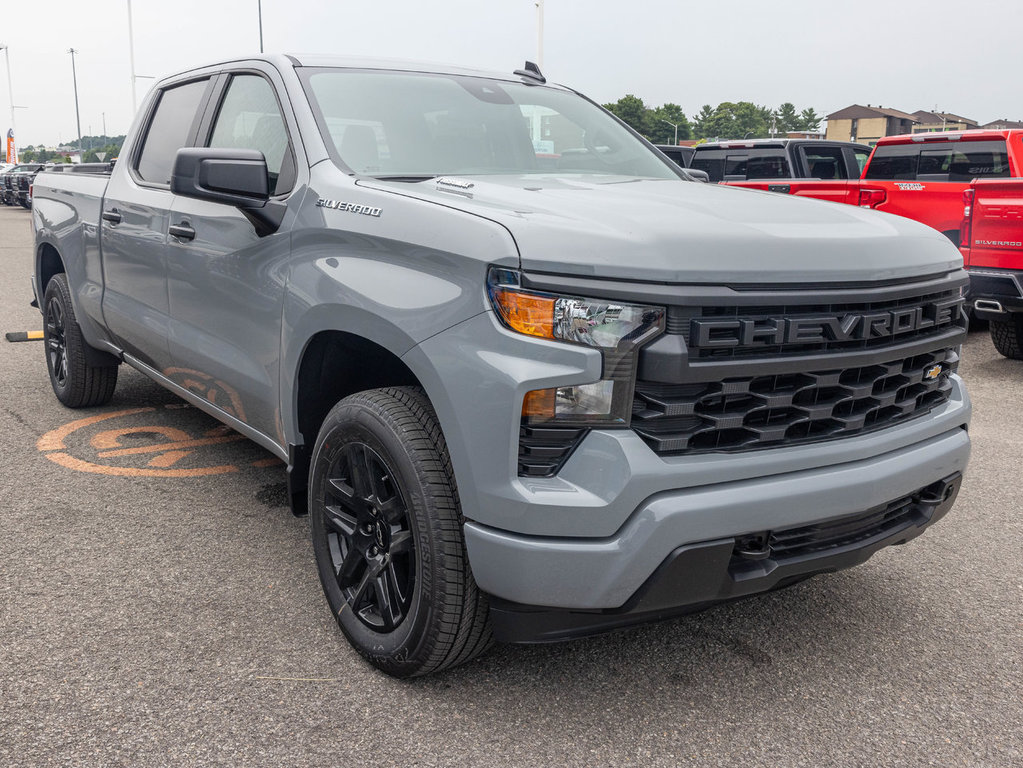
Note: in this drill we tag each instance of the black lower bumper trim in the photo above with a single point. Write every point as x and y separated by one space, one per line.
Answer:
696 576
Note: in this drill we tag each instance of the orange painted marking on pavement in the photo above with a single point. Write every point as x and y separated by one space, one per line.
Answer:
54 439
161 447
111 438
71 462
168 459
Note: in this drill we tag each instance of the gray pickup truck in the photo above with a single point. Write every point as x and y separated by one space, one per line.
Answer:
530 381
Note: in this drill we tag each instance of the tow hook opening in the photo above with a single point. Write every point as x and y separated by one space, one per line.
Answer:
753 546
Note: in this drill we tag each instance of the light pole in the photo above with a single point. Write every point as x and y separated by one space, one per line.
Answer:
259 5
673 125
78 120
539 34
10 93
131 55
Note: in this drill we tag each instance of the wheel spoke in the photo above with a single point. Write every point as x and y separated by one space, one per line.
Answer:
392 510
400 590
358 465
349 567
341 520
387 600
372 569
401 543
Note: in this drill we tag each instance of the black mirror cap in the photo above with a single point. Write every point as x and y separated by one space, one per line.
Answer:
235 177
232 176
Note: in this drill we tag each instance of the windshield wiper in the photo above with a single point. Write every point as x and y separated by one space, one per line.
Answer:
408 179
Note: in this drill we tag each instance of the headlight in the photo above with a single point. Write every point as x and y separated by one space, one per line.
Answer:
618 330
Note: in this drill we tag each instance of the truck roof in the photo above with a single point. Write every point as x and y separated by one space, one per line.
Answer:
978 135
284 61
761 143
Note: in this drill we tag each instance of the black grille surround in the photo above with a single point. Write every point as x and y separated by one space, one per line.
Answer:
852 359
790 408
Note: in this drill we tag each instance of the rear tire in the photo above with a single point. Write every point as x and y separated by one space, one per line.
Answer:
387 535
75 383
1008 337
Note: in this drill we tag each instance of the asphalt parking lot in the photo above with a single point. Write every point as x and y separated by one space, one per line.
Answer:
159 605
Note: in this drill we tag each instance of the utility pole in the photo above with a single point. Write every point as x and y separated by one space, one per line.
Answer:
539 34
104 124
78 120
259 5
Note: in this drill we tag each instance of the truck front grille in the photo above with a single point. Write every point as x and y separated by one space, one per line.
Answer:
761 411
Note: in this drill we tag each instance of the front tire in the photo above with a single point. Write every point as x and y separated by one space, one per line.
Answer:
75 383
387 535
1008 336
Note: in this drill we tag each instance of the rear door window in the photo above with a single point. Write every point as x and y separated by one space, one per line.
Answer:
169 130
824 162
894 161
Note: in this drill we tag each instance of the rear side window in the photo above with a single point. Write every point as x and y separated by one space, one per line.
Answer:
168 130
712 163
729 165
825 162
894 161
941 161
862 155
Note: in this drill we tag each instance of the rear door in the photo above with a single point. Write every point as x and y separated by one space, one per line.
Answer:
136 214
225 283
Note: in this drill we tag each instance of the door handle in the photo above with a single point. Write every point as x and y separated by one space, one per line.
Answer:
182 231
112 216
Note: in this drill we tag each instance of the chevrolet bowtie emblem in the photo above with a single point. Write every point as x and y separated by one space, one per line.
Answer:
932 373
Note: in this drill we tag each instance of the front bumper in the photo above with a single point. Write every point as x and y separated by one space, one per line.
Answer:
608 573
695 576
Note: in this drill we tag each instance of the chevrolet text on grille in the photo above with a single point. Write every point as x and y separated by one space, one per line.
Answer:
754 332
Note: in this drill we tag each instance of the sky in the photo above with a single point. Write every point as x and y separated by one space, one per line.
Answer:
948 55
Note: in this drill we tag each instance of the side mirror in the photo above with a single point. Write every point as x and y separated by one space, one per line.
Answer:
698 175
236 177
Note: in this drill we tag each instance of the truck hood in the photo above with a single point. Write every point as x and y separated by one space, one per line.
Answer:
685 232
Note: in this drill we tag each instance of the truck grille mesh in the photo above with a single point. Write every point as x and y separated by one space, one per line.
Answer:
761 411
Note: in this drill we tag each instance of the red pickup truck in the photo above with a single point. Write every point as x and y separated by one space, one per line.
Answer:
992 248
920 176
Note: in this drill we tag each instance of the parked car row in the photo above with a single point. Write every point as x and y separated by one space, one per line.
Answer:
16 183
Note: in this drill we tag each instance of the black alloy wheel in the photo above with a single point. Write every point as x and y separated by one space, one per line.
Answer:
56 342
370 538
75 382
386 527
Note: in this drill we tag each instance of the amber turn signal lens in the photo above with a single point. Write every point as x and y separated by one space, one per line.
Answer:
527 313
539 404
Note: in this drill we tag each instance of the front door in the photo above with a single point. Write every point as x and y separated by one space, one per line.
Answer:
225 283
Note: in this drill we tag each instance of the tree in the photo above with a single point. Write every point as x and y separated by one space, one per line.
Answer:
658 124
788 118
701 121
809 120
632 110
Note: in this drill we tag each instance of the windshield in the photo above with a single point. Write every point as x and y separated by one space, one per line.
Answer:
404 124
